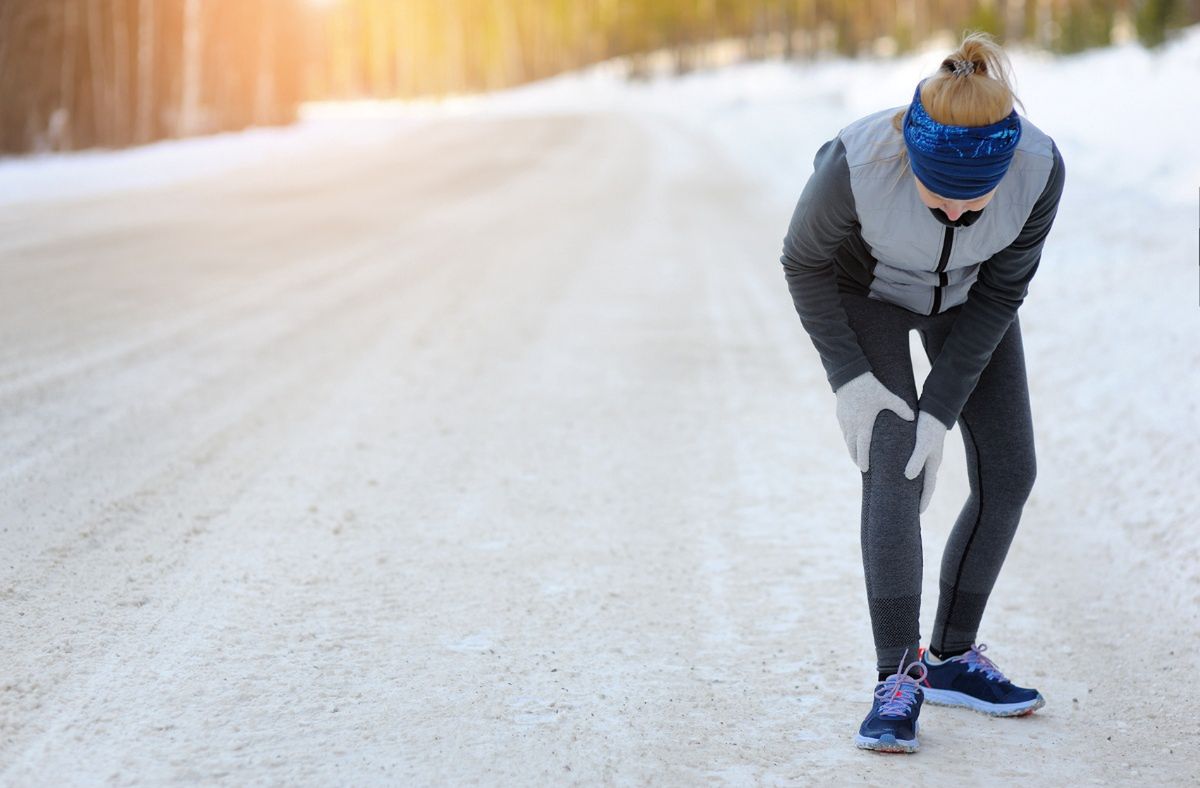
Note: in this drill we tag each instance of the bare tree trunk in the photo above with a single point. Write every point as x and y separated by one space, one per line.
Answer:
264 93
340 67
402 57
1044 20
11 15
453 33
379 25
120 73
189 104
100 99
787 25
8 26
66 86
510 44
145 64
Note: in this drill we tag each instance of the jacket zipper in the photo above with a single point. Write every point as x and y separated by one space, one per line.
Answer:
947 243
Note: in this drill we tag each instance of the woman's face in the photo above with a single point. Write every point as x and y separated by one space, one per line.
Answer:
952 208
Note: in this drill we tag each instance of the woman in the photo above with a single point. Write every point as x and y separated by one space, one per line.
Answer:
930 218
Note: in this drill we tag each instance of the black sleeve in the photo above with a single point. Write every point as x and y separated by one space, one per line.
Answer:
824 216
990 308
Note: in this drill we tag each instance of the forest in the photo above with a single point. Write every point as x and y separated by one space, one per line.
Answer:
85 73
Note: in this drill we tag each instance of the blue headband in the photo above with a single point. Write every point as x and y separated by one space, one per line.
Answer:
959 162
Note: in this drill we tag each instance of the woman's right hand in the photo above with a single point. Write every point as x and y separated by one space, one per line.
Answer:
859 401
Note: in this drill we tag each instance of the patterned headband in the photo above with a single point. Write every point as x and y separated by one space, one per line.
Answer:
959 162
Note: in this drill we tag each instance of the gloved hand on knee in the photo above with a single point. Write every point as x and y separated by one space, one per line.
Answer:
927 454
859 401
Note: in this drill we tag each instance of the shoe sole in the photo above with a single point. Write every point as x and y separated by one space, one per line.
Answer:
887 742
951 698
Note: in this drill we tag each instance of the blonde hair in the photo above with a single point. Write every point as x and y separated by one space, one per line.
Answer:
972 87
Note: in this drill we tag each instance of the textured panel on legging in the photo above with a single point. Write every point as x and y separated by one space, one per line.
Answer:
895 620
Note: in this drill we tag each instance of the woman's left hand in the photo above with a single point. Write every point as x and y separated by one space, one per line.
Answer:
931 434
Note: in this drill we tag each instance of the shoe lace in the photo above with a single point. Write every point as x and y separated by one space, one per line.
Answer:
975 660
899 690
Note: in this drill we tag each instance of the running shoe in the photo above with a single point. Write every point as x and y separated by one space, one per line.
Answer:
892 724
973 681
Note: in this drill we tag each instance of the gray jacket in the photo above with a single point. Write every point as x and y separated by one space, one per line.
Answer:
860 226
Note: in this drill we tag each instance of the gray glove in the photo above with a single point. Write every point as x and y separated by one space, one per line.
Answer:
927 455
858 403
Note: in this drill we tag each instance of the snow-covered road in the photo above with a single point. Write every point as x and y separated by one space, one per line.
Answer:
493 452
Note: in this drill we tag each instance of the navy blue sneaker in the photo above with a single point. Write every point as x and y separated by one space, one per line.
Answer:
972 680
892 724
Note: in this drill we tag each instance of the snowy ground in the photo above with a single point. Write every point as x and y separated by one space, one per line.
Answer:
479 443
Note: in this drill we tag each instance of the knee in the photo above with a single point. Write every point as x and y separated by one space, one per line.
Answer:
892 443
1013 478
1001 461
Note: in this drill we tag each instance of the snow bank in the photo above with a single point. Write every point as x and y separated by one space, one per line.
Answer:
97 172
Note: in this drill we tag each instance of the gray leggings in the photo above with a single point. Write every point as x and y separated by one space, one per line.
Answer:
997 433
